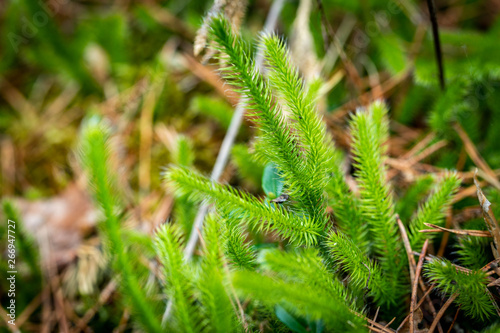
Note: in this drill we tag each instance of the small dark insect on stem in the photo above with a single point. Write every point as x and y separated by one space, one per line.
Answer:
282 198
437 43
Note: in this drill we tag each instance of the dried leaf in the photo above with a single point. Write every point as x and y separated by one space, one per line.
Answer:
418 316
477 233
489 218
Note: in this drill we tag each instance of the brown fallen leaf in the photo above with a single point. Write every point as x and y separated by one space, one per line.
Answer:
418 316
67 217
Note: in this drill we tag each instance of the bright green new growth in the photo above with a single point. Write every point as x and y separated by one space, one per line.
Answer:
472 251
94 156
346 205
310 128
212 282
473 295
304 286
307 267
184 209
199 296
433 210
248 168
365 246
301 173
369 130
259 215
365 276
236 249
178 285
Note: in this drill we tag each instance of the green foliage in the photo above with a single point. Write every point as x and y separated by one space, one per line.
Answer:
178 285
472 251
434 209
470 287
308 125
299 298
364 274
212 281
184 209
346 205
236 248
213 107
249 169
300 173
408 203
95 156
199 295
369 130
260 215
311 260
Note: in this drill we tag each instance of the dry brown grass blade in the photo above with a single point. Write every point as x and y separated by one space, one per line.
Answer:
123 322
489 218
477 233
170 21
28 310
103 298
352 72
476 158
441 312
54 281
413 273
209 75
4 316
446 235
415 285
419 146
146 130
373 325
424 297
374 318
454 320
408 249
386 87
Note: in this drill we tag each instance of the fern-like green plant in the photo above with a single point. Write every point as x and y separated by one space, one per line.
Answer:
178 285
369 132
364 245
468 286
259 214
434 209
199 294
95 156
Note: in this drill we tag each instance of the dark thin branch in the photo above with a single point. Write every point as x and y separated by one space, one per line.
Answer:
437 42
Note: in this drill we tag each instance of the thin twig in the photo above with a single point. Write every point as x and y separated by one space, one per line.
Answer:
103 298
348 65
415 285
471 150
454 320
476 233
418 306
406 242
441 312
374 318
437 43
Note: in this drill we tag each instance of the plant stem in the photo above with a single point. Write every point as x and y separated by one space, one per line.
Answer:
437 43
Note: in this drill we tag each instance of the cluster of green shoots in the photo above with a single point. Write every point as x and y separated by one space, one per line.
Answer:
332 267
